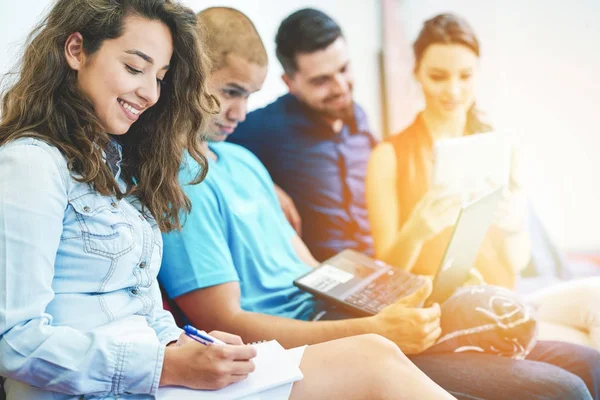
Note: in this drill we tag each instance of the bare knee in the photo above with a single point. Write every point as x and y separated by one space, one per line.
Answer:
380 354
385 367
383 347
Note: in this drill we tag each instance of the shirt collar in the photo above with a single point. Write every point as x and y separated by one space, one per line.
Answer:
113 155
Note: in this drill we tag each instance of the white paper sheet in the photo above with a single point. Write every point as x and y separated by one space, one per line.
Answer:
276 368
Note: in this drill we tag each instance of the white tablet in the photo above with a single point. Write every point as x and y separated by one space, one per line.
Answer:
469 163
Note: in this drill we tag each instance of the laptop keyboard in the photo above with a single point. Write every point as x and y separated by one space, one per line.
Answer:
385 290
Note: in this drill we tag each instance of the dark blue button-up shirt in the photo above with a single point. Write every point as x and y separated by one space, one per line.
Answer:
323 172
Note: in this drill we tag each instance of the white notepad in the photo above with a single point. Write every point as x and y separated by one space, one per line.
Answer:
275 368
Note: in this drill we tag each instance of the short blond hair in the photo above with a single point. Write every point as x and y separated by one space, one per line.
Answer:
229 31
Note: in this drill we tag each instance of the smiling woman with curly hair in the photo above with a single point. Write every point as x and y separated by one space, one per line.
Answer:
108 96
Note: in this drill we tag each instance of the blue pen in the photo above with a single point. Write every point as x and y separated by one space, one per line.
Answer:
201 336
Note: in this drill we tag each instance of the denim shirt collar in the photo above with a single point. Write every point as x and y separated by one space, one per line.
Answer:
113 155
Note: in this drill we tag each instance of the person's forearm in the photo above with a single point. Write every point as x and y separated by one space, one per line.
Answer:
31 355
163 323
303 253
511 253
515 250
405 250
169 372
292 333
494 271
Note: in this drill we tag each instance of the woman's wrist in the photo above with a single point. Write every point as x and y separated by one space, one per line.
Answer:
415 233
168 376
509 231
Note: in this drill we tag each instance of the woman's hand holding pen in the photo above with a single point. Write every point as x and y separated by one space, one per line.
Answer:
194 365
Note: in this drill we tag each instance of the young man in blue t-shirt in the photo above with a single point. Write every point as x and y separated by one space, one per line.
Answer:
234 262
220 248
232 266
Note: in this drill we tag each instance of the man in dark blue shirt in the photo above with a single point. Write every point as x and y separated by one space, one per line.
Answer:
315 141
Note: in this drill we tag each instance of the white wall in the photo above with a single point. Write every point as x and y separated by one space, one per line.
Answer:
540 78
16 20
359 20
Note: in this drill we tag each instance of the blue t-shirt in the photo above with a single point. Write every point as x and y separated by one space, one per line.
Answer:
236 232
322 171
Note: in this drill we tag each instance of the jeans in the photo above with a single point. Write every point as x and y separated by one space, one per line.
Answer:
551 371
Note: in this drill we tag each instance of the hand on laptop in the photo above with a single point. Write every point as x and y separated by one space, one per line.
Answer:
413 329
437 210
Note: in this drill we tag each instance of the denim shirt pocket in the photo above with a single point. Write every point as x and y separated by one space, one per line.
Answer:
105 228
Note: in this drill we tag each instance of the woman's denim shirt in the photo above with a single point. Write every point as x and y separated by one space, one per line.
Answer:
80 307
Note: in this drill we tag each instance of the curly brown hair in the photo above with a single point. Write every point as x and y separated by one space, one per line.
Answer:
44 102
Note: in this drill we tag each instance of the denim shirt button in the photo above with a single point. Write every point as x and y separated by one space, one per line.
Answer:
114 205
134 292
142 264
86 209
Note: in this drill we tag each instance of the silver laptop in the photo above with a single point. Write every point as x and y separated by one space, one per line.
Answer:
364 286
